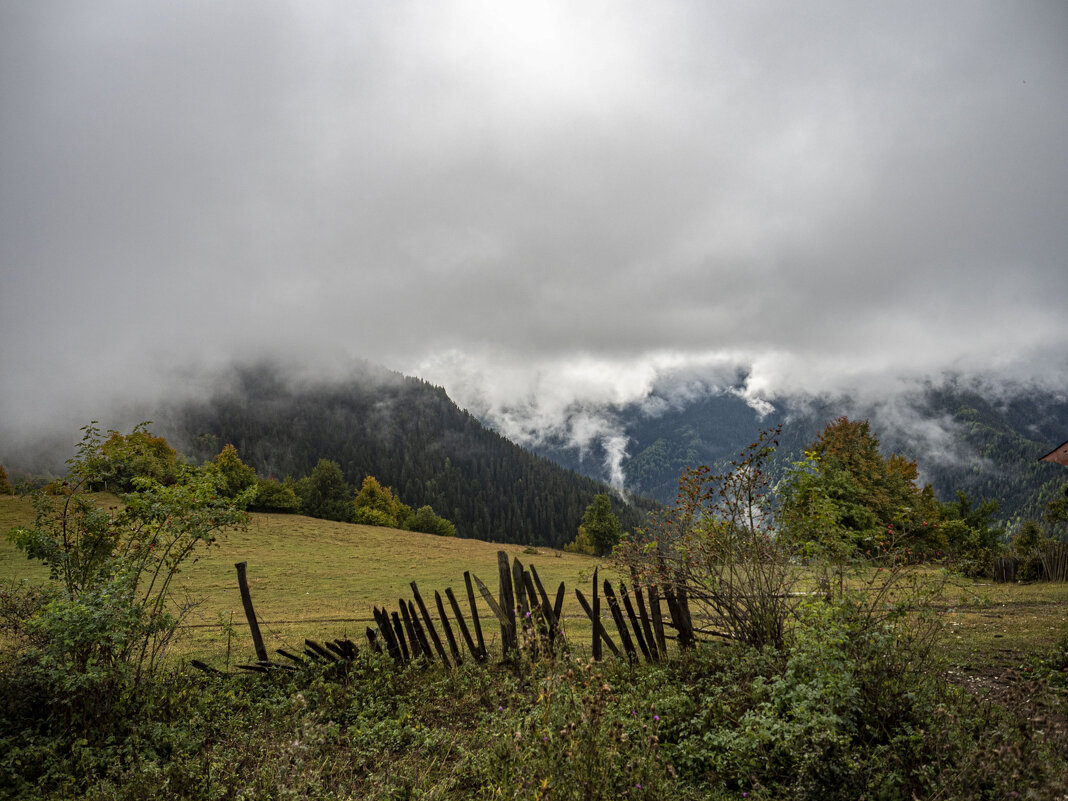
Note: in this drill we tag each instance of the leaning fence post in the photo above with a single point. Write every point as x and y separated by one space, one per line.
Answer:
643 615
429 624
250 613
639 638
474 616
509 632
475 652
596 615
658 620
448 629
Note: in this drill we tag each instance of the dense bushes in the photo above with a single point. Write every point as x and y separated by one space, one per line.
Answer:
834 714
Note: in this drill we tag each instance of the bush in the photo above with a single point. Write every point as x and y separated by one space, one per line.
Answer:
84 647
427 522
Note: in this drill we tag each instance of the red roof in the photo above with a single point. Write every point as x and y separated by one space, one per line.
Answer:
1058 455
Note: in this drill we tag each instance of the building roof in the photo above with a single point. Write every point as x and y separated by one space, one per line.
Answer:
1058 455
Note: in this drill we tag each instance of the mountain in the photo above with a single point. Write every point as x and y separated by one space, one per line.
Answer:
405 432
973 436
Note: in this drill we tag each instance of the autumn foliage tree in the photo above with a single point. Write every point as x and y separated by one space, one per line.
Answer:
846 496
139 454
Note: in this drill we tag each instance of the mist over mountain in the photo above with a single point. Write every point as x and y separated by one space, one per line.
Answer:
402 430
966 434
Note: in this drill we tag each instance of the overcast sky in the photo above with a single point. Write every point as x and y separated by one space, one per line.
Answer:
528 203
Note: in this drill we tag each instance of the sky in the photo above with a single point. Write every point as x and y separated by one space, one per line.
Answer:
534 205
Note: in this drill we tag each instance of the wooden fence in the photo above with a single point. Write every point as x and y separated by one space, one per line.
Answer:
529 621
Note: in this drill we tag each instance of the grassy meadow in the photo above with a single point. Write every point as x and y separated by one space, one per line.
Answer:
319 579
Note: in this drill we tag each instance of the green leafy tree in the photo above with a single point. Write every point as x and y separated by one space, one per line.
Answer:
1027 546
326 493
846 495
110 614
235 476
427 521
969 531
601 524
275 496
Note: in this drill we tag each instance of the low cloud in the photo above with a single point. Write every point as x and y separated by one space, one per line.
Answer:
545 209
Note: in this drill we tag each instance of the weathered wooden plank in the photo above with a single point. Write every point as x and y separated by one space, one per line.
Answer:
498 612
250 612
534 620
387 634
429 625
658 620
474 616
643 615
448 629
552 619
292 657
319 650
206 668
413 641
521 606
372 640
621 624
424 644
398 629
509 632
638 636
337 649
558 607
464 632
598 626
686 635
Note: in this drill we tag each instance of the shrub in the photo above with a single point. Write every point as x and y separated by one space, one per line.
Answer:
718 544
86 645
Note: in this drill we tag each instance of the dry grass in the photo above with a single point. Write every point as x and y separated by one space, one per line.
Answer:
319 579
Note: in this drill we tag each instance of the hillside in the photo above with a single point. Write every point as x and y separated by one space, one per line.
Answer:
406 433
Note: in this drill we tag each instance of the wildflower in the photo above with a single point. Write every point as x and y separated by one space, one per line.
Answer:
656 718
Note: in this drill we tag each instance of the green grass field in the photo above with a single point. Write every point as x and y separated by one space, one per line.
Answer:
319 579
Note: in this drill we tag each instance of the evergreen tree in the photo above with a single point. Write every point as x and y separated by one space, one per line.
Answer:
601 525
5 483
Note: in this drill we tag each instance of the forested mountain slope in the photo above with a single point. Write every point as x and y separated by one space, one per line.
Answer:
968 435
406 433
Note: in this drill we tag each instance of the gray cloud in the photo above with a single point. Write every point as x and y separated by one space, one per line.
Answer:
529 206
